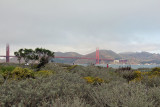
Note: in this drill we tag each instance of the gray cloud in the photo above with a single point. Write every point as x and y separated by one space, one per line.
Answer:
81 25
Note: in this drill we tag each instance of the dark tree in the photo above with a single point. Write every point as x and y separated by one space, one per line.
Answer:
42 56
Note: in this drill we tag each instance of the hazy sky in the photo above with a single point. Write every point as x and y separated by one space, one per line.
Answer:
81 25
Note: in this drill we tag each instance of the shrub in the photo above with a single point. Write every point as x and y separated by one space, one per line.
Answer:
151 81
5 74
151 78
71 67
44 73
156 69
128 75
154 93
54 67
94 80
22 73
1 79
33 66
70 102
45 91
137 74
6 70
157 73
75 89
118 94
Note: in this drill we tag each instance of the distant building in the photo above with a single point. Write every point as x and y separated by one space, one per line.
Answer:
116 61
123 61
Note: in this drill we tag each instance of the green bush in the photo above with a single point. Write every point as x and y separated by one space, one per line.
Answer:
6 68
71 89
155 69
54 67
71 67
128 75
5 71
1 79
118 94
94 80
151 81
22 73
44 73
41 91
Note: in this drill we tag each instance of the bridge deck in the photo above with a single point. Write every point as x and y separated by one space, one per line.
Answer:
72 58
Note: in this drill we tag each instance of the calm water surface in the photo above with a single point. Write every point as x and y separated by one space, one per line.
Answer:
132 66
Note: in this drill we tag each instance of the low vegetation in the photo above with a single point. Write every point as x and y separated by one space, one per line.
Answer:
61 85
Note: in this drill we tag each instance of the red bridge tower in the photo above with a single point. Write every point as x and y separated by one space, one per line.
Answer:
97 56
7 53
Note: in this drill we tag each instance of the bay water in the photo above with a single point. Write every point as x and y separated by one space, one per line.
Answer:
124 65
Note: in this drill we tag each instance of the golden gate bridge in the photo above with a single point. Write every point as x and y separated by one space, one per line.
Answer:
97 59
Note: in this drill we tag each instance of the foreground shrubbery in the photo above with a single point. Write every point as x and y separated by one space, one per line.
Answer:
18 73
77 86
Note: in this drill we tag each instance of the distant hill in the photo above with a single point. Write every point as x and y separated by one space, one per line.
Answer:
141 57
66 54
132 57
102 54
106 54
12 60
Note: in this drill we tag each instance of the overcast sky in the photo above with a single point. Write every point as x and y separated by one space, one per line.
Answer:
81 25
